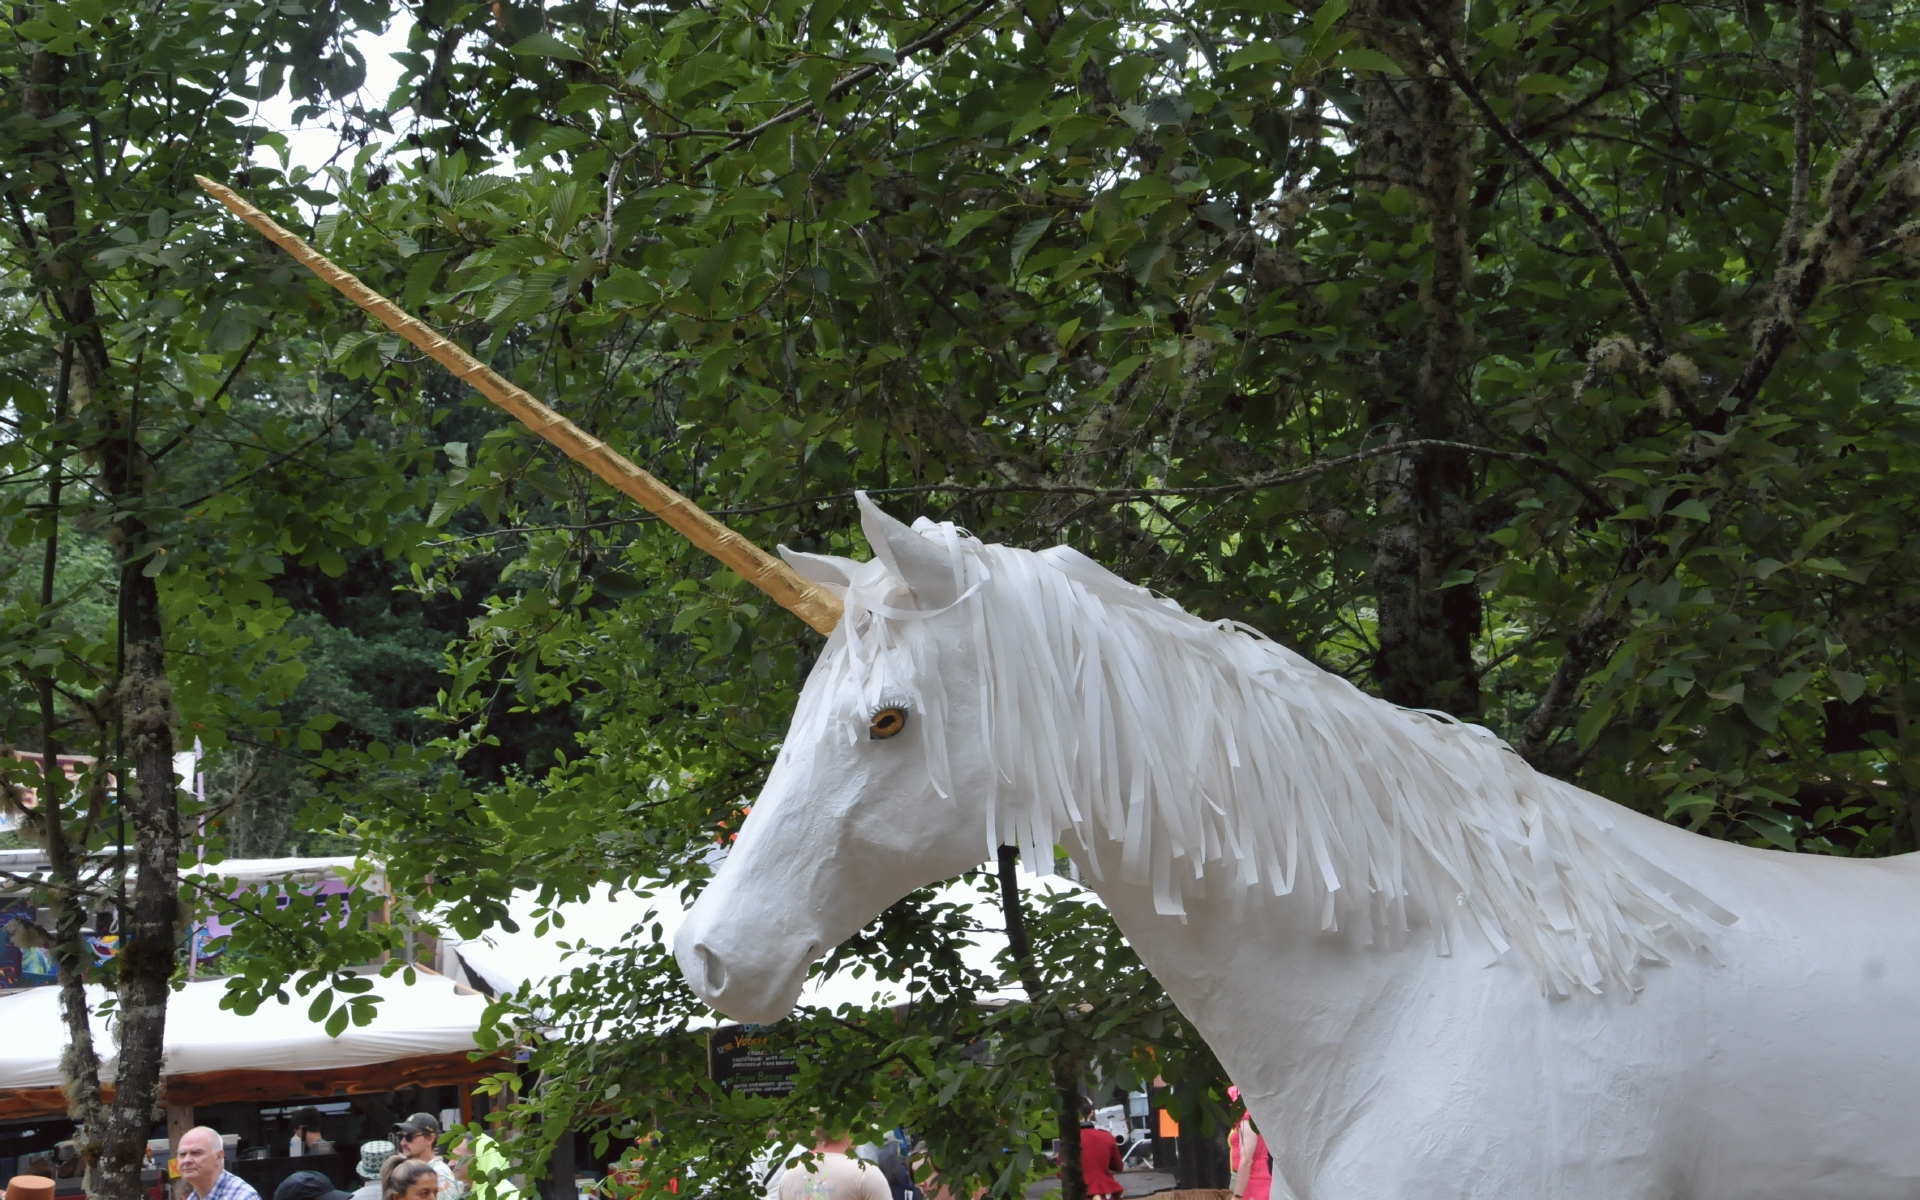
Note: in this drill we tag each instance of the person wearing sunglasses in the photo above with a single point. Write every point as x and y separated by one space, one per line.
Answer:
417 1137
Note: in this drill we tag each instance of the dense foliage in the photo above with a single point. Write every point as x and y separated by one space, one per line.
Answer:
1546 364
172 451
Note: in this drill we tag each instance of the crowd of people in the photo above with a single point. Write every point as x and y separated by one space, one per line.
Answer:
408 1168
842 1171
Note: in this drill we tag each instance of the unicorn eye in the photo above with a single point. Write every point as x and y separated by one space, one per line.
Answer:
886 722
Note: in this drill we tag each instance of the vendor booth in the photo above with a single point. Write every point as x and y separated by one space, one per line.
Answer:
246 1076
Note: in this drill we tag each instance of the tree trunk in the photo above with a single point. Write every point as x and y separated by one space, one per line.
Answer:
1066 1088
147 942
1066 1074
81 1062
1416 137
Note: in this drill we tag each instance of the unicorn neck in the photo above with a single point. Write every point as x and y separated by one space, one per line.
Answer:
1205 764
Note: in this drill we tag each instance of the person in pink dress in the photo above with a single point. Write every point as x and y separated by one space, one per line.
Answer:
1255 1182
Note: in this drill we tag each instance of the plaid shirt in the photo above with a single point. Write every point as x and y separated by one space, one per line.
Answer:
228 1187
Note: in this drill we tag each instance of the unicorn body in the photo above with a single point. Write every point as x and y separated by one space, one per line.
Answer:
1433 972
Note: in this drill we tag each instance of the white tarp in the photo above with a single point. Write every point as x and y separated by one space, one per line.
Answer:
102 864
283 870
431 1017
503 961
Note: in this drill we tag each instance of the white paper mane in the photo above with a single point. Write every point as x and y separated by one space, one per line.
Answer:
1224 763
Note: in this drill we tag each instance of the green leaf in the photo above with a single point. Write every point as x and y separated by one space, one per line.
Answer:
350 342
1027 235
1788 686
1258 52
545 45
1542 85
1360 58
1851 685
1324 17
1591 722
711 267
968 222
618 585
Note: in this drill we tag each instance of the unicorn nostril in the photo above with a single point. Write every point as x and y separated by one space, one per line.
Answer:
713 972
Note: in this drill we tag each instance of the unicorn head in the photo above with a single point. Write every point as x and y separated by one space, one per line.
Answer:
975 695
864 803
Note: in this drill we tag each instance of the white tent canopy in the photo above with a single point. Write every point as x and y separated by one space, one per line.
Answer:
503 961
432 1016
284 870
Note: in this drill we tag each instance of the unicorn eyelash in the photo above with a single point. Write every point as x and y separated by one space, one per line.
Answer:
887 720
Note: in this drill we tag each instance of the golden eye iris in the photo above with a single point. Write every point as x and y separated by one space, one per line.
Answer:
887 722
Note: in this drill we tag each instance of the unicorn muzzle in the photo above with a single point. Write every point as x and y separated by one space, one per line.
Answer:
740 972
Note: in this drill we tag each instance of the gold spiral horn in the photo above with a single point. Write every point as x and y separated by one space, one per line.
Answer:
789 589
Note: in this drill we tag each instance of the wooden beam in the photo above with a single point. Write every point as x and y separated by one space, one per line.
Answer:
179 1120
220 1087
28 1103
434 1070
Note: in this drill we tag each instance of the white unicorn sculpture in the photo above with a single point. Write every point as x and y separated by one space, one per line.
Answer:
1269 839
1421 961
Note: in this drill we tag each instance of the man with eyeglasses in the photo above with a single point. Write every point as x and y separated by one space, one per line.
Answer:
417 1137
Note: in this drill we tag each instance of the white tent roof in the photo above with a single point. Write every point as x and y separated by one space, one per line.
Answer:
503 961
431 1017
245 870
282 870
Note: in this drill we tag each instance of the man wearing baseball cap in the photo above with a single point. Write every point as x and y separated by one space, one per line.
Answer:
417 1138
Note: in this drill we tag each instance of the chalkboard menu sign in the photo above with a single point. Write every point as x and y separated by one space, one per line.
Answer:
751 1061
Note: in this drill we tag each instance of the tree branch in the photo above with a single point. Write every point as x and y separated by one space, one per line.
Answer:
1264 482
246 352
1584 646
1656 340
1799 283
841 87
1802 137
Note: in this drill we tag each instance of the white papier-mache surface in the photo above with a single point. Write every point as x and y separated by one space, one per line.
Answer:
431 1016
1431 970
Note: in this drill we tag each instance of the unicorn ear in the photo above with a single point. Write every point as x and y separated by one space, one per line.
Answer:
828 569
922 565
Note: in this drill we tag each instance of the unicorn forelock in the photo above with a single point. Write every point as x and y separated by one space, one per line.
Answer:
1219 763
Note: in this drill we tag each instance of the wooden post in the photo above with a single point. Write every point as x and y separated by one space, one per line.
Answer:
179 1120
